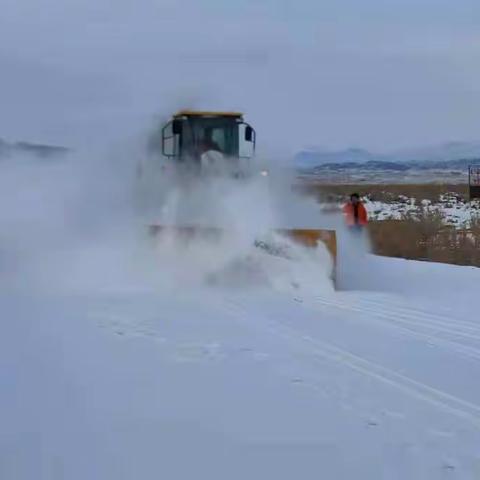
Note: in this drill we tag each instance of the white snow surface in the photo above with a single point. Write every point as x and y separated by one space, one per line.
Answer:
121 361
452 211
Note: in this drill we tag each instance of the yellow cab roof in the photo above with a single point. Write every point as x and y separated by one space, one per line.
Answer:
198 113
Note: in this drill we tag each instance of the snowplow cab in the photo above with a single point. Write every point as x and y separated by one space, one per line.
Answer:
190 133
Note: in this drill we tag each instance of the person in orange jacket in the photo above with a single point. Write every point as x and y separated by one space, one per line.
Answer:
355 213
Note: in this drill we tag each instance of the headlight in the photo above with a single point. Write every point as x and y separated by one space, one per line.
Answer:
264 173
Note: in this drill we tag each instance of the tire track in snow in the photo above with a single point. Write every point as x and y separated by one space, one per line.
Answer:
449 325
235 308
419 390
391 320
427 317
444 401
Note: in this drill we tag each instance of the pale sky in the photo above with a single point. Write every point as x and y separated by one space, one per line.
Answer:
380 74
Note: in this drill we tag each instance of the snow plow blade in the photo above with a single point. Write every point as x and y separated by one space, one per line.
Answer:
312 237
307 237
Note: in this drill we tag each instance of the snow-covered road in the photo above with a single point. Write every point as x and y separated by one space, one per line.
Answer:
124 362
241 383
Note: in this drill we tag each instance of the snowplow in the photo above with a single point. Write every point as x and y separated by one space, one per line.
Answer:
202 144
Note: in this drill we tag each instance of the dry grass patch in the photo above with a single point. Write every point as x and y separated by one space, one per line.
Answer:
425 237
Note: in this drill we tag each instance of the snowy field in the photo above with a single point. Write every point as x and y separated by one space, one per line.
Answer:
452 209
119 361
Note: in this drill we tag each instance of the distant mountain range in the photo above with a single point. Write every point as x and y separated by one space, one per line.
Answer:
454 155
38 150
374 165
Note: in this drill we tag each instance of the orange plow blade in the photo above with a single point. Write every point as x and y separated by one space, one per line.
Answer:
312 237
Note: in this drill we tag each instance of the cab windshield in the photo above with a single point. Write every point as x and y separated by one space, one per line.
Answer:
216 134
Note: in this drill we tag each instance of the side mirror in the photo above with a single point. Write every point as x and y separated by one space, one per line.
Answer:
169 140
177 127
249 134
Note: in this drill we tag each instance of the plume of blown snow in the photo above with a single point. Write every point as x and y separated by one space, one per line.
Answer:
81 224
244 250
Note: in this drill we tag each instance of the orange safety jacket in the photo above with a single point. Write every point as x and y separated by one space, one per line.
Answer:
358 217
